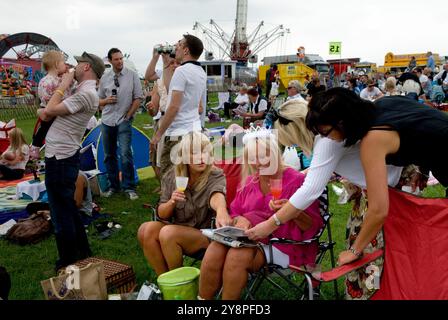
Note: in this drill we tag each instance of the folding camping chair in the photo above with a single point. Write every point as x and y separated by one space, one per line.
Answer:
327 245
415 252
4 134
197 256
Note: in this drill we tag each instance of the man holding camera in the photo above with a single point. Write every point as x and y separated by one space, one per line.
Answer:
187 90
158 98
120 94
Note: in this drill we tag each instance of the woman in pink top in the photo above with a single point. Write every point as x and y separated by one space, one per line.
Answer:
229 267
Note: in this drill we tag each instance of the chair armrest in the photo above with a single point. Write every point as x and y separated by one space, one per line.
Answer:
153 211
289 241
338 272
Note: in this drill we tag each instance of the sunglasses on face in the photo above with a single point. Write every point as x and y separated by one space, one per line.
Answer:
326 133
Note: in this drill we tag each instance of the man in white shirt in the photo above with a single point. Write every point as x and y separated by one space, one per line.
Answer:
257 108
371 92
424 81
62 154
294 89
186 92
241 101
442 77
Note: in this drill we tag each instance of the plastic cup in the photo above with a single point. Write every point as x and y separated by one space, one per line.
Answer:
181 183
276 188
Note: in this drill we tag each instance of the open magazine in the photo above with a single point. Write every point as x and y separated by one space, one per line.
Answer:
230 236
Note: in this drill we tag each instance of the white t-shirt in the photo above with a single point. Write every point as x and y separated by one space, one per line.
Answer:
439 76
370 95
331 156
192 81
263 106
242 98
163 95
274 89
24 152
423 78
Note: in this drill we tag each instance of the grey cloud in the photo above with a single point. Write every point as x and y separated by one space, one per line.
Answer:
367 29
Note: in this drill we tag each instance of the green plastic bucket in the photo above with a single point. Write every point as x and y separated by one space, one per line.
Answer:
179 284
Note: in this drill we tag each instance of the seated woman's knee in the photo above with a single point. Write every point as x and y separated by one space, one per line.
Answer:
214 256
239 258
141 232
149 230
169 233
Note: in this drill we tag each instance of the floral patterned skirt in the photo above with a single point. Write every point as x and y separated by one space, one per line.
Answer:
362 283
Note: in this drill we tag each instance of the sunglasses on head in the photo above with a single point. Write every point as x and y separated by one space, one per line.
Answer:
283 120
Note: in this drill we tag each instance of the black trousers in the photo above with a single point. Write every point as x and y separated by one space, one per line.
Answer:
71 238
41 133
229 106
10 174
5 283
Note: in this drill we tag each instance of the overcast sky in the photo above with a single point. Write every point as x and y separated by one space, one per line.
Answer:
367 30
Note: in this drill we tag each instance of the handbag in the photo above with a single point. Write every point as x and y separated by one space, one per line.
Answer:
87 283
291 158
31 230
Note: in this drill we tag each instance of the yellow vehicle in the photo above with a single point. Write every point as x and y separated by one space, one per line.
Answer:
382 69
288 72
399 62
367 68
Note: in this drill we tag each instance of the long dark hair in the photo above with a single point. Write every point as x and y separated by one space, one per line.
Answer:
342 109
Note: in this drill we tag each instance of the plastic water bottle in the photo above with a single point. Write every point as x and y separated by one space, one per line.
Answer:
251 126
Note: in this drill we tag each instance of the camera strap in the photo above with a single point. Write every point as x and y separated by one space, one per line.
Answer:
191 61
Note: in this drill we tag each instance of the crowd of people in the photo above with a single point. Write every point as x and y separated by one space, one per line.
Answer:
366 131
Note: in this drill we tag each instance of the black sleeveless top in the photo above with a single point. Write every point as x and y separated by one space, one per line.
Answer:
423 131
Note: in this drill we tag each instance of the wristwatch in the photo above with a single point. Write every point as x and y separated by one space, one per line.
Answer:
276 220
356 253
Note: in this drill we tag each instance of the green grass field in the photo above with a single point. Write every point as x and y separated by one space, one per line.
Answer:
28 265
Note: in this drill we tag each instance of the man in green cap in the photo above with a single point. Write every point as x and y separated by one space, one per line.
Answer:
62 154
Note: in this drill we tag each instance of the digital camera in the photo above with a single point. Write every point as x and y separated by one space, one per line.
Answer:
171 50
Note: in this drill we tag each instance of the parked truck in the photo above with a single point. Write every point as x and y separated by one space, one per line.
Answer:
399 62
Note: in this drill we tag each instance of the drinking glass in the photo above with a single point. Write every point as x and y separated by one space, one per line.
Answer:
181 183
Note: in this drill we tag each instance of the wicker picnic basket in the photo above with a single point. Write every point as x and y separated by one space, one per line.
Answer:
120 278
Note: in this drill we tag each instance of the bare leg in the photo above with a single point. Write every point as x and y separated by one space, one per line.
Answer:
176 240
148 236
239 263
211 270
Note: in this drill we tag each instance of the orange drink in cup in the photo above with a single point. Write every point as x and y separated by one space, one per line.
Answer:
276 188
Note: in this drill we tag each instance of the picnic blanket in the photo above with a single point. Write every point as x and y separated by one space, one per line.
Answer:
8 203
12 183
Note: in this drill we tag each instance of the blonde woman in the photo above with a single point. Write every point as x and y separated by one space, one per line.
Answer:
391 87
13 161
229 267
328 156
183 213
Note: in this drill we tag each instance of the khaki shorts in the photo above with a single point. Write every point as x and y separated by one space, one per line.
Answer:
165 160
153 155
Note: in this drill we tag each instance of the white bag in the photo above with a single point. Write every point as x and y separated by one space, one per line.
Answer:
291 158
